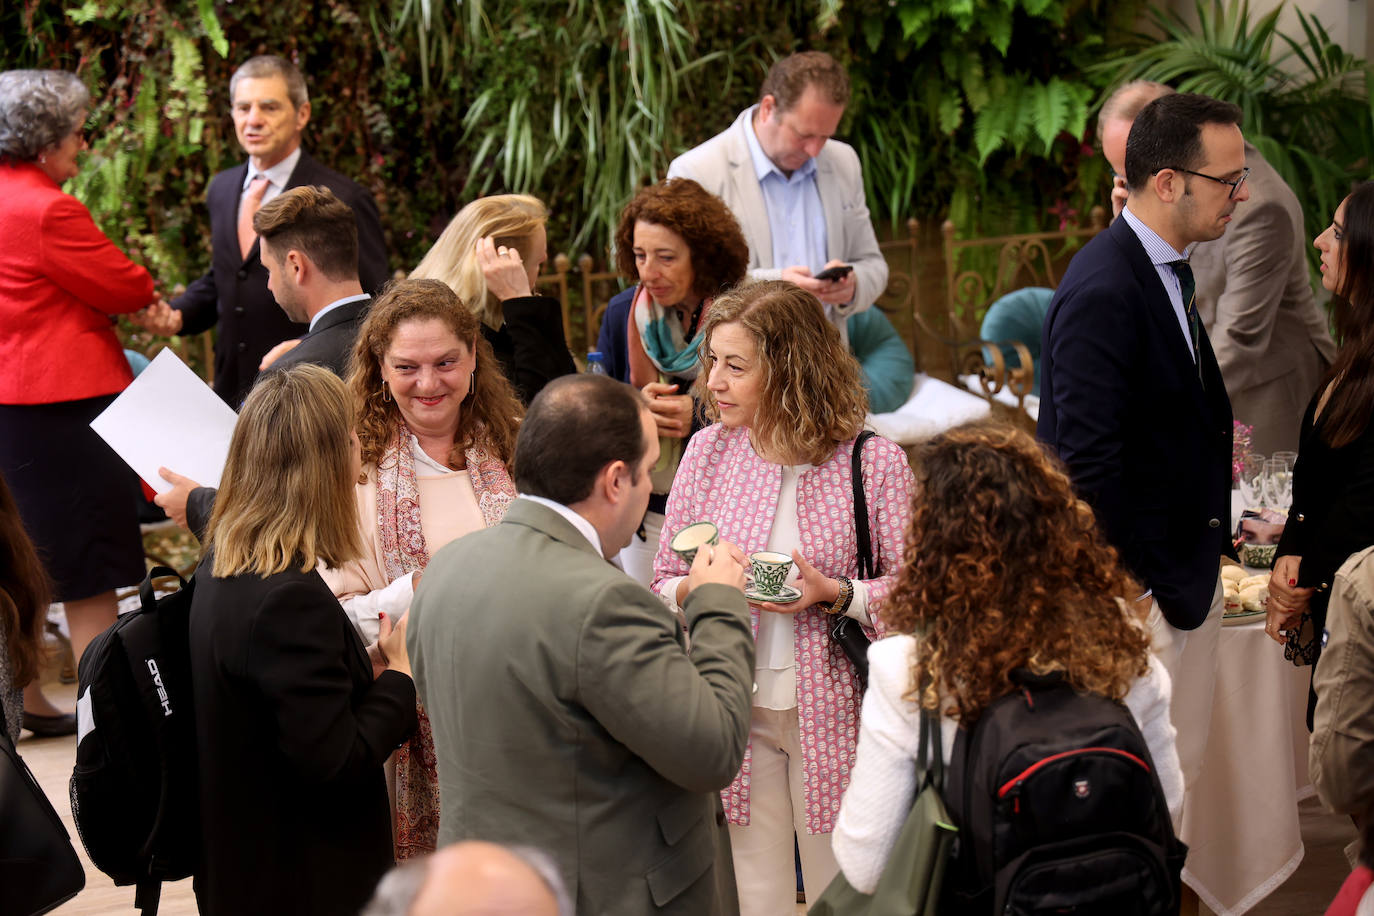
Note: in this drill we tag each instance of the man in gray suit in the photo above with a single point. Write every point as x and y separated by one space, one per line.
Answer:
567 713
798 195
1254 293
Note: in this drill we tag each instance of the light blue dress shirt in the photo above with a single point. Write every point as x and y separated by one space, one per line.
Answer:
1161 255
795 218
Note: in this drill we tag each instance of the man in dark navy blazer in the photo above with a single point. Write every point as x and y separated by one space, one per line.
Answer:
308 242
1131 396
309 245
270 109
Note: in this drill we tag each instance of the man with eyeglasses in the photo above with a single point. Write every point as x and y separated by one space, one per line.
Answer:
798 194
1254 291
1132 399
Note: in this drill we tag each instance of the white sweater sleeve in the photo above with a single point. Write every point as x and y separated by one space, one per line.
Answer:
1148 701
883 784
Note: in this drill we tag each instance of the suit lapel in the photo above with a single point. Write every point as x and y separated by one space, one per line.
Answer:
1161 312
752 212
833 207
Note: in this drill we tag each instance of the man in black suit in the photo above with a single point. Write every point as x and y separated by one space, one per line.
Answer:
1131 396
270 109
309 246
308 241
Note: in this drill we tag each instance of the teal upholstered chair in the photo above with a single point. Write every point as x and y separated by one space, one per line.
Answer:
1018 316
889 371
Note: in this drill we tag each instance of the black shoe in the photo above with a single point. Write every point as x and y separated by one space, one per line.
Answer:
50 726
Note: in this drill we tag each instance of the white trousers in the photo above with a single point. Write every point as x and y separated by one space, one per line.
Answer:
1190 657
765 869
637 557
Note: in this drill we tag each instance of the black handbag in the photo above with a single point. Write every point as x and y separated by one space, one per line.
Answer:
39 870
847 632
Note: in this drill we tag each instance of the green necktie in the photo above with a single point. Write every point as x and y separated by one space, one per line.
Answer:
1188 289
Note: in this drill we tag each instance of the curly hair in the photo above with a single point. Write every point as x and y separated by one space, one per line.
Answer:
511 219
812 397
38 109
720 255
491 413
1005 569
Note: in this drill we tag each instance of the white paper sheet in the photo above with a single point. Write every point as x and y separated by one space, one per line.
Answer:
168 417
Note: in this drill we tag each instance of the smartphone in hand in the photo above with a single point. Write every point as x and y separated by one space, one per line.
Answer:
838 272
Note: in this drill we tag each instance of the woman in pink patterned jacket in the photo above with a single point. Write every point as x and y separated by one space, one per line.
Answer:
774 473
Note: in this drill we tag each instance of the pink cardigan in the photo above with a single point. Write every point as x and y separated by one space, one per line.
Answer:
722 480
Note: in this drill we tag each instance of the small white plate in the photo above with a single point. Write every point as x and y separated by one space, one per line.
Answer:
786 595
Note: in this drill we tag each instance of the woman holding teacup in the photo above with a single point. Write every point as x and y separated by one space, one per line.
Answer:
1332 514
437 421
773 473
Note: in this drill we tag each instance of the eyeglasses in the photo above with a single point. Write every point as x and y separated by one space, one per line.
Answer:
1235 185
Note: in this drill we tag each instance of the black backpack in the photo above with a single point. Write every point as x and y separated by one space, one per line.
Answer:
1059 810
134 786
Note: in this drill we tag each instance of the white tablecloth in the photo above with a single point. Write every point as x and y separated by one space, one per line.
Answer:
1241 819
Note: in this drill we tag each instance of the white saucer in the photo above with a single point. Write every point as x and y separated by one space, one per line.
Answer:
786 595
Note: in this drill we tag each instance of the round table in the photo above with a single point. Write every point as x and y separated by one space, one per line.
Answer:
1241 819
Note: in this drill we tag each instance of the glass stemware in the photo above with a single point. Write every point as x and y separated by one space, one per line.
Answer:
1251 479
1278 483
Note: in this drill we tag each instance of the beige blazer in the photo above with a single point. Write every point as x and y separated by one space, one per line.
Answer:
722 165
1254 295
567 715
1341 756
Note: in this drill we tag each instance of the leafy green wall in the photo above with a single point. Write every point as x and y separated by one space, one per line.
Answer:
978 110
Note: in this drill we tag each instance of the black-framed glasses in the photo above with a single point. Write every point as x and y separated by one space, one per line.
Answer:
1235 185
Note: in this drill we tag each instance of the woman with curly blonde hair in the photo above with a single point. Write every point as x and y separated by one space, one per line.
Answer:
774 473
1004 569
436 420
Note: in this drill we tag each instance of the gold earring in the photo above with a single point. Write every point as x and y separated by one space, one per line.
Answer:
386 392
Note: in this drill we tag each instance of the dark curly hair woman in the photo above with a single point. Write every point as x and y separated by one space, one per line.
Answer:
1004 569
682 246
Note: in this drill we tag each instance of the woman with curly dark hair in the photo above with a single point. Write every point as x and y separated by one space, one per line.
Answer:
682 246
23 607
436 420
1004 569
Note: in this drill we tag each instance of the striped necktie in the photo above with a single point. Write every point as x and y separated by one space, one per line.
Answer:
1188 288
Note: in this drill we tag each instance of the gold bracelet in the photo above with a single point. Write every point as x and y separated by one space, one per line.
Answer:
844 599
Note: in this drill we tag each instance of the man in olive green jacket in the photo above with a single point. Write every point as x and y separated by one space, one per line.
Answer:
567 713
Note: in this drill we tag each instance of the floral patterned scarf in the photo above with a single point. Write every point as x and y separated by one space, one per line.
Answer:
403 552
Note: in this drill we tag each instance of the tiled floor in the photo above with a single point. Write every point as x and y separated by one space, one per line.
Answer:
1308 891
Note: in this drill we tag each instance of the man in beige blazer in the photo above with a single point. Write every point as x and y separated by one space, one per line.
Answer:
566 712
1254 292
798 194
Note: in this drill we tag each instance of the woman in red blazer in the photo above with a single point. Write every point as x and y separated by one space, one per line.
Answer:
61 284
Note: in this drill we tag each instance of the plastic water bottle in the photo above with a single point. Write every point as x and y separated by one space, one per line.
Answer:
596 363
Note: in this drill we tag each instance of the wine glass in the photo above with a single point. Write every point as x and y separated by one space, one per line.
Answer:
1251 479
1278 483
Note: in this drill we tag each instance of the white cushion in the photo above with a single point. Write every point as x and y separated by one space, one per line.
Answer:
1032 405
934 406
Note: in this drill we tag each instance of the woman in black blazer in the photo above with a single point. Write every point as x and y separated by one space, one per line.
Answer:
1333 484
294 717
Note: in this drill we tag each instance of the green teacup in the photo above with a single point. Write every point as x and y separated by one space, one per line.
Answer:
770 571
686 542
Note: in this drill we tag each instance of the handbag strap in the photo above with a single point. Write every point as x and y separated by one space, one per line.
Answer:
930 756
867 568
